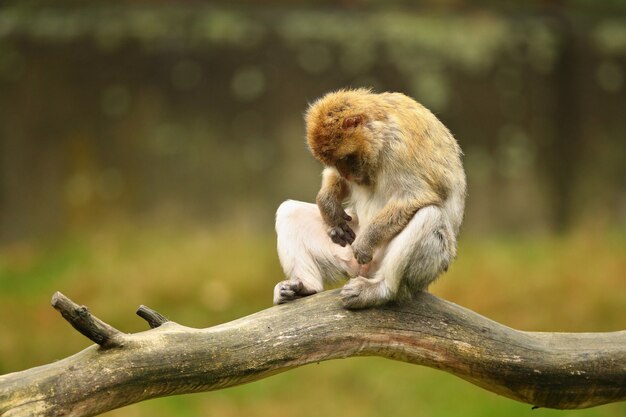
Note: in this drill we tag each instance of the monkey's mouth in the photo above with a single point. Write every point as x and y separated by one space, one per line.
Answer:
357 178
346 172
352 169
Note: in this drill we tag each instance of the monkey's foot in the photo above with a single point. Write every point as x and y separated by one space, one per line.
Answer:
290 290
361 292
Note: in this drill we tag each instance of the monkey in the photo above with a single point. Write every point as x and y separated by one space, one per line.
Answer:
390 207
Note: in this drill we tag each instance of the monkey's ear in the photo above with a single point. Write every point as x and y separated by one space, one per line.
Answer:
352 121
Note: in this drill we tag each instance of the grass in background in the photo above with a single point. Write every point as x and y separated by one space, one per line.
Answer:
202 278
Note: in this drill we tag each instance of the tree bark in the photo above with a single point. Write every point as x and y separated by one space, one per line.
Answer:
554 370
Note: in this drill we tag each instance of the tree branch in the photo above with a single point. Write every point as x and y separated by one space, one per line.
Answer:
89 326
555 370
153 318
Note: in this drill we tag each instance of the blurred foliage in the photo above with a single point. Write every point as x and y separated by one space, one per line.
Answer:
194 26
193 112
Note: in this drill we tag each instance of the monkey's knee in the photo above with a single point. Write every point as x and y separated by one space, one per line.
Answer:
419 254
286 209
431 260
291 211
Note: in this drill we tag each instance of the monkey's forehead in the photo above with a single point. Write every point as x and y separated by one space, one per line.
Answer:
340 101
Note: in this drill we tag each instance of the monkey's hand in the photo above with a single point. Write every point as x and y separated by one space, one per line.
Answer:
362 251
335 190
341 233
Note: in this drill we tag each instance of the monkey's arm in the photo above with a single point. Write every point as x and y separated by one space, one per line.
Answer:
329 200
387 223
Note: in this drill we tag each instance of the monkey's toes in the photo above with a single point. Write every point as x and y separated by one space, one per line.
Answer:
361 292
351 294
286 291
290 290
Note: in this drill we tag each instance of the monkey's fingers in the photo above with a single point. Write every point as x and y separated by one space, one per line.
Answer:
346 216
361 257
349 233
337 235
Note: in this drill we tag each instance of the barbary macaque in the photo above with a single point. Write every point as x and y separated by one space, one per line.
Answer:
390 206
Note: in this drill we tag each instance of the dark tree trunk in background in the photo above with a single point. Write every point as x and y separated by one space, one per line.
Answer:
564 150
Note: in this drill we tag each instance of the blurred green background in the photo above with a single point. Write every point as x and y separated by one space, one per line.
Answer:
145 146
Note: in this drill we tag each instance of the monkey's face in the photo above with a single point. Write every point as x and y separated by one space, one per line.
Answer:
341 143
339 133
352 168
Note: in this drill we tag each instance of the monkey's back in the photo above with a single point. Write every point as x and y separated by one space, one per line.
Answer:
422 155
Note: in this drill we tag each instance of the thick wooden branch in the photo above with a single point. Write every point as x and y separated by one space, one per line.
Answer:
556 370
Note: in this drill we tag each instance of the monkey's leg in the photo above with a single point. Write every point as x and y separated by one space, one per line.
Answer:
306 253
411 261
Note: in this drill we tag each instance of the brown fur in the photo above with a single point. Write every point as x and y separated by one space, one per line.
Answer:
335 125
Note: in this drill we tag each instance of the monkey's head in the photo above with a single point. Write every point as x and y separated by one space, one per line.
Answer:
338 134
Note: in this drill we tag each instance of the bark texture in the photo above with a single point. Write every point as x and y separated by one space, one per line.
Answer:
555 370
